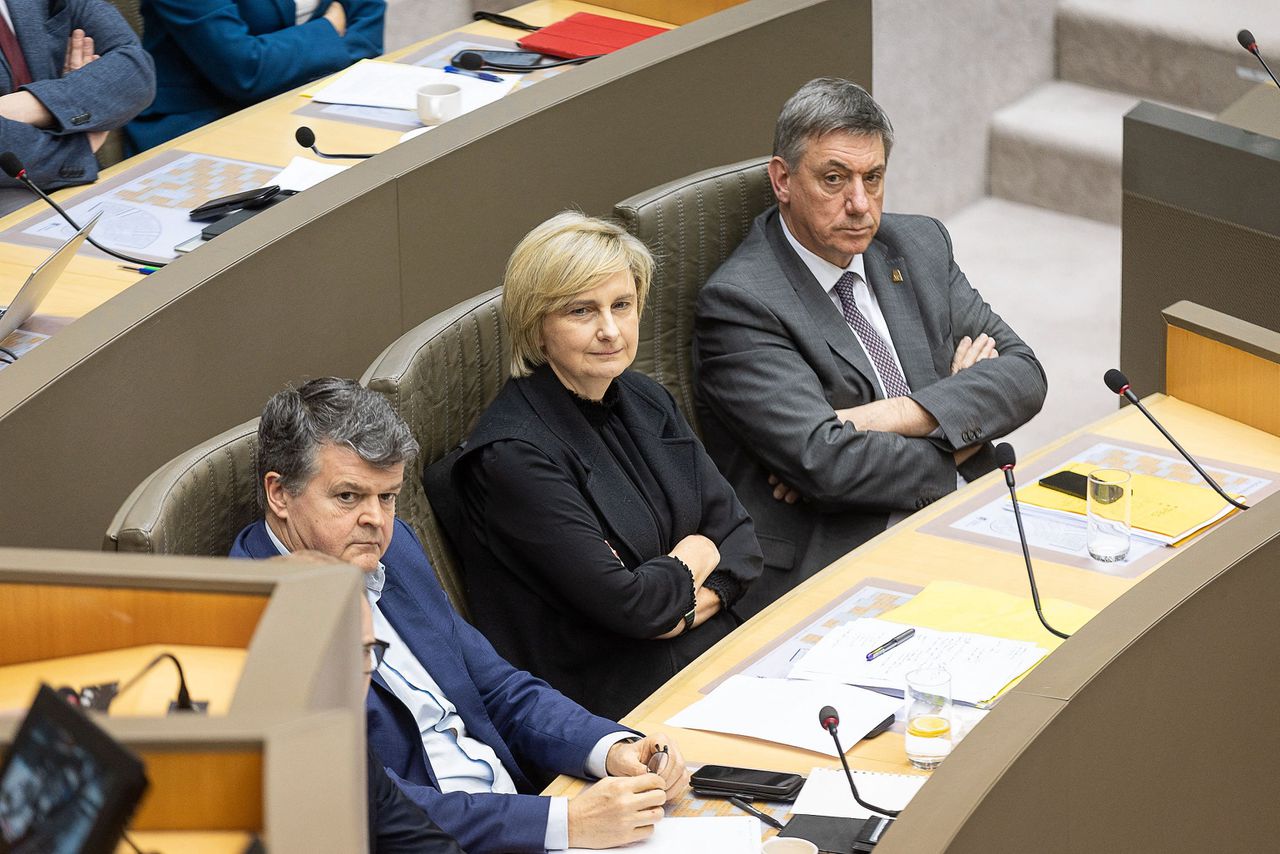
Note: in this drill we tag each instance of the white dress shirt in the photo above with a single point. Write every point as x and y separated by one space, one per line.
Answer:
460 762
305 9
864 298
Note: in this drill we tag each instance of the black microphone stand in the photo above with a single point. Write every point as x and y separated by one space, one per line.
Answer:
1026 554
1133 398
30 185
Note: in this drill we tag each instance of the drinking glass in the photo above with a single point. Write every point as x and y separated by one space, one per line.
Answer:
928 696
1109 504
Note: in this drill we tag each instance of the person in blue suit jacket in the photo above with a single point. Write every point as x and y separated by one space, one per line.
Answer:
55 112
460 729
214 57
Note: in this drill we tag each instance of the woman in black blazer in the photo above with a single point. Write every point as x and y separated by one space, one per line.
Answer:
603 549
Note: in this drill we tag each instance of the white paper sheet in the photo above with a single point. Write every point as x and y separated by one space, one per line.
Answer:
786 711
826 792
707 835
980 666
374 83
303 174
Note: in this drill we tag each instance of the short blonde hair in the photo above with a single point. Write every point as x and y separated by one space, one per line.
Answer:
566 255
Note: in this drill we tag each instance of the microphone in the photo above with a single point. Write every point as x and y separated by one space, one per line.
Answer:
469 60
830 720
13 167
1006 459
183 702
1119 383
306 137
1249 43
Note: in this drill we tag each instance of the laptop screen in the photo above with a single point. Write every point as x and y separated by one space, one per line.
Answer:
66 787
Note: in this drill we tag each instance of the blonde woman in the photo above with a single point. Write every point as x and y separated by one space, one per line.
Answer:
604 551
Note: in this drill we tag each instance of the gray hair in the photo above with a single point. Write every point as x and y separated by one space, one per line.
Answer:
296 422
824 105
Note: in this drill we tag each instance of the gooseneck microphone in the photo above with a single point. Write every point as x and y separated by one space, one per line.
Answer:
830 720
13 167
306 137
1006 459
183 702
1119 383
469 60
1249 43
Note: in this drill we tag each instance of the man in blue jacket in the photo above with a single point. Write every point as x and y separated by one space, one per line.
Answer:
214 57
71 71
457 726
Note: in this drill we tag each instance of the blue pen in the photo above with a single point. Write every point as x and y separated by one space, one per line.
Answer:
479 75
146 271
888 645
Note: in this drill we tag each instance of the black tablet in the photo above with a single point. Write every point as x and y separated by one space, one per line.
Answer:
66 787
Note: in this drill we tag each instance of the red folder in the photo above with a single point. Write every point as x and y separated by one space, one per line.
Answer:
583 34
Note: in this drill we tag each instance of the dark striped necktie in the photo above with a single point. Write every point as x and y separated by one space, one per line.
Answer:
895 384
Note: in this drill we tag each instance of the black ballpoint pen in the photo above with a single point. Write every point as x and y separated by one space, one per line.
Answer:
763 816
885 647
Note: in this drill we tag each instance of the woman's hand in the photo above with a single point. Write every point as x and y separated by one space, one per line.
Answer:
337 16
699 554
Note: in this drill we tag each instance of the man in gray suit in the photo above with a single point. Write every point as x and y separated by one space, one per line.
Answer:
70 71
847 372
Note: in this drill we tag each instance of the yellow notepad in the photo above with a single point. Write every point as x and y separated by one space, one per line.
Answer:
952 606
1166 508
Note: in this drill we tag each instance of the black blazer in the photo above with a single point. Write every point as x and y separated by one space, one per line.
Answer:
396 824
566 569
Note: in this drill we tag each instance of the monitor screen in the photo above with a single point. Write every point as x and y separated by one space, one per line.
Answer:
66 787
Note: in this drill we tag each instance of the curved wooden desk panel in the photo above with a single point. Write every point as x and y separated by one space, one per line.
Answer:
1149 730
321 283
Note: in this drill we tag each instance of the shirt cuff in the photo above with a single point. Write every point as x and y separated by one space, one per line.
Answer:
557 838
596 758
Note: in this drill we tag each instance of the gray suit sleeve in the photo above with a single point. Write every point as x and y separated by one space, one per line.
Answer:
994 396
756 382
108 92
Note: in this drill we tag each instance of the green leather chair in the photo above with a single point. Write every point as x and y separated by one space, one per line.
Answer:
440 376
196 503
691 225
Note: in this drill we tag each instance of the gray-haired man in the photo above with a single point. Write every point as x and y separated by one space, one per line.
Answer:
847 371
456 725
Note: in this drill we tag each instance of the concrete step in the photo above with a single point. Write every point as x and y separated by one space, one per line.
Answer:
1055 279
1183 52
1060 148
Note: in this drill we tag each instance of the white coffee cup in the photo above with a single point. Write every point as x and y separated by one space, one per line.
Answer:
788 845
439 102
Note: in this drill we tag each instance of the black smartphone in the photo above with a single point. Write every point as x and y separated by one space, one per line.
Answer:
1067 482
725 780
521 60
225 205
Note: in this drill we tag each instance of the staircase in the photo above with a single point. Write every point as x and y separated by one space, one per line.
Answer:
1044 247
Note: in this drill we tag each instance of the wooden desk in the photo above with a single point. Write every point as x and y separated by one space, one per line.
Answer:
211 675
906 555
261 133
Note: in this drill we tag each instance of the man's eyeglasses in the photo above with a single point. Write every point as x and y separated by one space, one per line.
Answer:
373 655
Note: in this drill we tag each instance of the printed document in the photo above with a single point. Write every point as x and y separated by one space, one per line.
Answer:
719 834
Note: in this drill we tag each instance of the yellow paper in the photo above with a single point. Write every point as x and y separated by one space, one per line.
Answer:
951 606
1164 507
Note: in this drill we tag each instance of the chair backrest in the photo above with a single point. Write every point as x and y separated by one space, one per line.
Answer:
196 503
131 11
691 225
440 376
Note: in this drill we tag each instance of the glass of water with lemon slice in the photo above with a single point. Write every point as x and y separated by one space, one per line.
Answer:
928 696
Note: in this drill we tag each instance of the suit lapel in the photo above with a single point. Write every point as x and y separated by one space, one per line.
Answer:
421 623
826 318
901 314
614 496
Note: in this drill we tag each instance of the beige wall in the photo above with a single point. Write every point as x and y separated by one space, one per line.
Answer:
940 70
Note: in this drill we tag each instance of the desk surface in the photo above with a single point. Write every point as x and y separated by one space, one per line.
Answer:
211 673
905 555
262 133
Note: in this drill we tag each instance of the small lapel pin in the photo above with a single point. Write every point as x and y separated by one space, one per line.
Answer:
896 275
